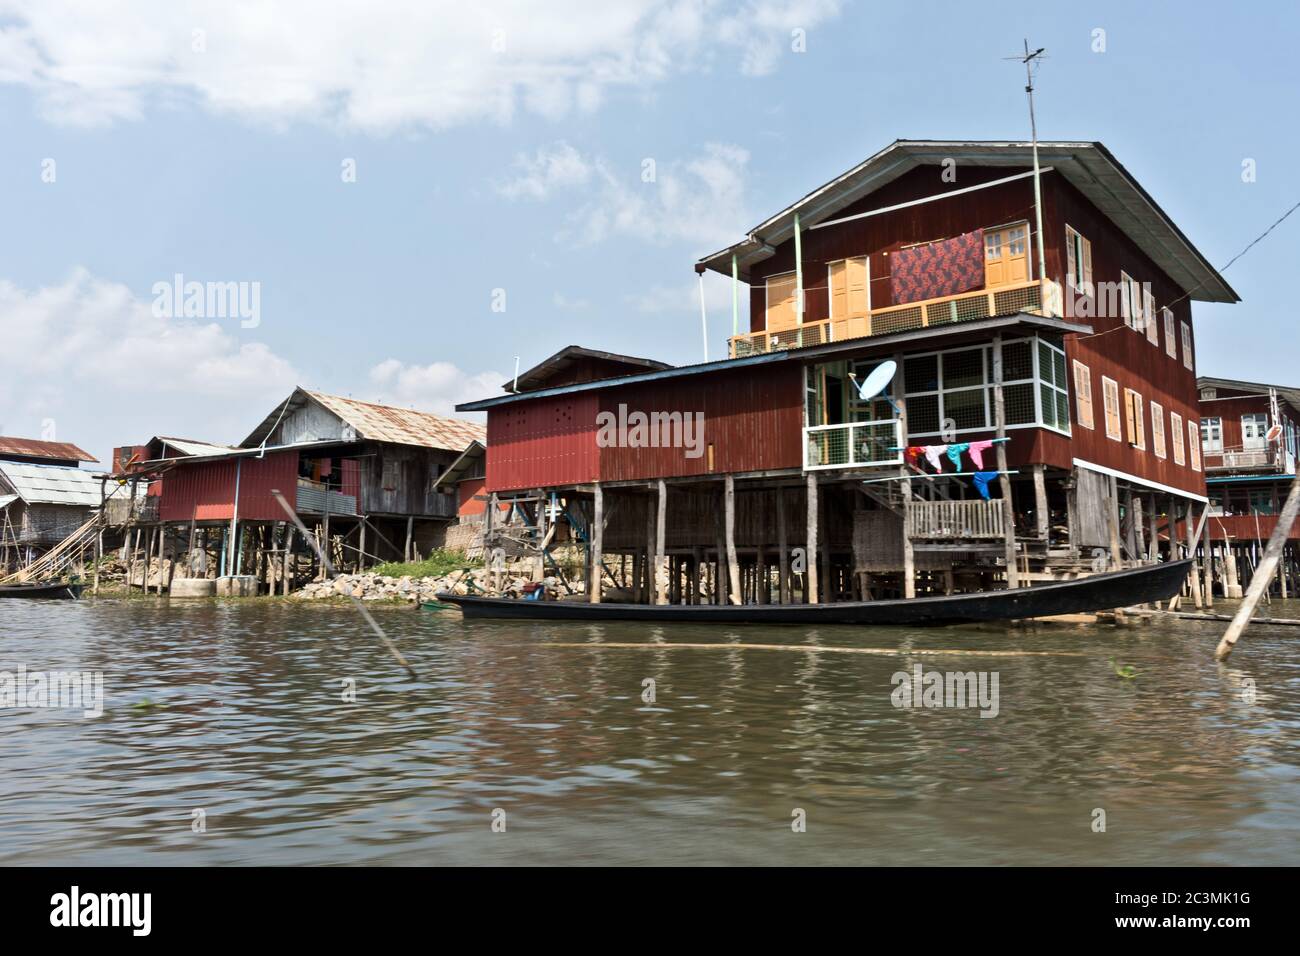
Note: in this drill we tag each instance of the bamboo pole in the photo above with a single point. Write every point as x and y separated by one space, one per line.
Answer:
597 533
661 522
783 554
1004 482
1260 582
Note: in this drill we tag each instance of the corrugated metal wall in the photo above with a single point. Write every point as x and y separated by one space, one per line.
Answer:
550 441
206 491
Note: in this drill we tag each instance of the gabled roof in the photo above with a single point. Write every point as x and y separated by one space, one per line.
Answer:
31 448
1289 395
1088 166
371 422
191 447
572 354
52 484
469 459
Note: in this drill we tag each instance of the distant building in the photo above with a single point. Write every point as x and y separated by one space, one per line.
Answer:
44 497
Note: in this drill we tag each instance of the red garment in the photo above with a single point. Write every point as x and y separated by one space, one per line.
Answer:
914 454
937 269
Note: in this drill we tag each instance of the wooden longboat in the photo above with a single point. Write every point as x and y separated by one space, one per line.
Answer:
1098 592
45 590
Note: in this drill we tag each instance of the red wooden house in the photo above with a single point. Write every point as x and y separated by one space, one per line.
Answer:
1070 347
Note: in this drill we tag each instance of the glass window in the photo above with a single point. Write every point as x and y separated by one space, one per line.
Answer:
1017 361
921 374
963 369
1212 434
1253 429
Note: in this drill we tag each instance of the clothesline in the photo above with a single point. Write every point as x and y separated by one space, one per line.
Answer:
994 441
938 474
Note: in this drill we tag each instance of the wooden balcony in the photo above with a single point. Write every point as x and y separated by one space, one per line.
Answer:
1040 297
956 520
1267 458
853 445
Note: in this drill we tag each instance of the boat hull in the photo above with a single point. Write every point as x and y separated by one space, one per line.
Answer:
1099 592
45 591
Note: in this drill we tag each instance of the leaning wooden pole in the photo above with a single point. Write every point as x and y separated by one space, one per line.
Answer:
810 557
1263 575
729 518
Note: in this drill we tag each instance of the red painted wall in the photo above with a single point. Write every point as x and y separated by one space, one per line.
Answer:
547 441
205 491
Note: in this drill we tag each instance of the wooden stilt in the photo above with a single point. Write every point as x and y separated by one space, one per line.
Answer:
1041 514
729 530
661 561
597 535
783 549
810 591
1112 523
1004 482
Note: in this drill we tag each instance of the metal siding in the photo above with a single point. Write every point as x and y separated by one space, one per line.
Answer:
549 441
205 491
753 418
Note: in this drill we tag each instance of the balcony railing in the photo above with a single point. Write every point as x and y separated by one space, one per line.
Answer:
956 520
853 445
1040 297
1243 459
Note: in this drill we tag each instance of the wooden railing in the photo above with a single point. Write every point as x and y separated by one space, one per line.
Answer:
1237 459
1040 297
957 520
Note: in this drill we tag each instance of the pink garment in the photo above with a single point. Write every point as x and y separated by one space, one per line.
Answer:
933 454
976 452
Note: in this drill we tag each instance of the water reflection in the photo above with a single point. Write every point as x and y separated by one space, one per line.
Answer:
247 721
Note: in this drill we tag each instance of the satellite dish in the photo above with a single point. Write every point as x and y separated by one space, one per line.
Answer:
1273 433
876 381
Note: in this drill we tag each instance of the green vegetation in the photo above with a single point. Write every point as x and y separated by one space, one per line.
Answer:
436 565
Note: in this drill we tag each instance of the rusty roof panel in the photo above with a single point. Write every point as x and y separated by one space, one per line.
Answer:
402 426
31 448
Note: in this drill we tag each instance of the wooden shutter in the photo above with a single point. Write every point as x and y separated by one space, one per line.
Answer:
856 273
1083 394
1087 265
780 303
1149 311
1110 396
837 276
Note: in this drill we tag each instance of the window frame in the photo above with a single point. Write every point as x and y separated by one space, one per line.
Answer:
1187 345
1177 437
1091 423
1110 387
1158 446
1135 430
1171 341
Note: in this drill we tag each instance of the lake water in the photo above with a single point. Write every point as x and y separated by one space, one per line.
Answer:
547 725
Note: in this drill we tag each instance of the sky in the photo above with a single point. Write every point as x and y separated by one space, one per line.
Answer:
413 194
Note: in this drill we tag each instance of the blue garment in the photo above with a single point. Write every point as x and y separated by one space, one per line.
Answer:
982 479
954 453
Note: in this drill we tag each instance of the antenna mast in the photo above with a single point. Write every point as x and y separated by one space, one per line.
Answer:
1030 59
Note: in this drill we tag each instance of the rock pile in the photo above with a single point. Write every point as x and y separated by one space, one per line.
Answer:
377 587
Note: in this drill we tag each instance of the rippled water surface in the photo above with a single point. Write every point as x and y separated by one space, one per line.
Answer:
547 723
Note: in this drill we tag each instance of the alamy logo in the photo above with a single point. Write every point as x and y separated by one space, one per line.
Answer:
651 430
72 690
937 689
103 909
208 300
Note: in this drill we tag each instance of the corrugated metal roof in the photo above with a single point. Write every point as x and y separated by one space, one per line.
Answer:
403 426
31 448
52 484
7 500
1089 166
188 446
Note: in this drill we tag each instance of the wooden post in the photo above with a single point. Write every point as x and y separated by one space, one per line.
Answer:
695 576
1259 583
1153 544
826 579
1194 577
410 529
729 525
1041 514
661 523
99 554
1004 480
361 544
810 542
1139 526
597 534
783 549
162 556
1112 523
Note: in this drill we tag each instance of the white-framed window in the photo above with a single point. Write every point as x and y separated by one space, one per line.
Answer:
1149 317
1176 435
1212 435
1110 400
1254 428
1158 429
1171 342
1134 419
952 390
1187 345
1083 395
1195 449
1078 262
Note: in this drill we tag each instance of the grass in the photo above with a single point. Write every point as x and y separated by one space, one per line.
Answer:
436 565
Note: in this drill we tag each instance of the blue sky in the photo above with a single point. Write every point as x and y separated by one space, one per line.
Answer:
503 147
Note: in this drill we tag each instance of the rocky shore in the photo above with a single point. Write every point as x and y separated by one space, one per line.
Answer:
378 587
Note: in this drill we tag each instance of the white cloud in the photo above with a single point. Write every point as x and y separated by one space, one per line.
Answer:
382 65
437 387
91 357
552 167
700 199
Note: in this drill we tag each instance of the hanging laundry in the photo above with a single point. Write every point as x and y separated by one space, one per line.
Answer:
914 454
934 455
977 450
937 268
954 453
982 479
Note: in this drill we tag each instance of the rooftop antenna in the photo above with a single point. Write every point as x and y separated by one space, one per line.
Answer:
1030 60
